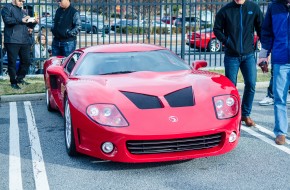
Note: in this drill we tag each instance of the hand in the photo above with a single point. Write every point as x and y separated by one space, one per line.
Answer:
263 64
262 60
25 19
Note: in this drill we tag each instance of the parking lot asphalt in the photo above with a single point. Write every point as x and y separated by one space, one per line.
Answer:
41 96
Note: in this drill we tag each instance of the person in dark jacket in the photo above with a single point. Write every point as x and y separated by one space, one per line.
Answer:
17 40
275 39
67 25
234 26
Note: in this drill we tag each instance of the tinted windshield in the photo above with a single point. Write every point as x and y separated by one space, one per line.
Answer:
106 63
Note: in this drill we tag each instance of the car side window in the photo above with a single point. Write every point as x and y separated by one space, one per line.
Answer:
72 62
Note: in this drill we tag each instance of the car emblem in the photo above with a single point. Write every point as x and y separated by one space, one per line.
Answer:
173 119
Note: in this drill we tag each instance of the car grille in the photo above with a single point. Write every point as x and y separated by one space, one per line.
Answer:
174 145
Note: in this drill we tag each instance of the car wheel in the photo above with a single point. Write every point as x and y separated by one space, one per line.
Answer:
68 131
48 105
214 45
95 30
258 45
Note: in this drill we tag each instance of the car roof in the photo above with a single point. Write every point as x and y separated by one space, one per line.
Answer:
116 48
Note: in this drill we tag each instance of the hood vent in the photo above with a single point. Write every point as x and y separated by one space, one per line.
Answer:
181 98
143 101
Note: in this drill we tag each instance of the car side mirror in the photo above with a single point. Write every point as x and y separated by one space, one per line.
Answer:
56 70
198 64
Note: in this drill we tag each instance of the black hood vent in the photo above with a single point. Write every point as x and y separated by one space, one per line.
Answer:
143 101
181 98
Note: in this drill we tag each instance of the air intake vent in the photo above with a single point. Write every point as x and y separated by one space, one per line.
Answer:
181 98
143 101
174 145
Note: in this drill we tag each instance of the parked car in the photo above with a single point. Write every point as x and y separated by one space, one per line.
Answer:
46 23
168 19
206 40
94 24
121 23
141 103
192 21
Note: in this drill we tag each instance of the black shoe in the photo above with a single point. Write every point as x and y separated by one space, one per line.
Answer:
23 82
15 86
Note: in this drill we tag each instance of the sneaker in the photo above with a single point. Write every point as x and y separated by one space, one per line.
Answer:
267 101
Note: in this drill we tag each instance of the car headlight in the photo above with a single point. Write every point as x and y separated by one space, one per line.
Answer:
106 114
226 106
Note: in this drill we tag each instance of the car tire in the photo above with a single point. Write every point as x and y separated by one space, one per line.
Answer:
94 30
48 105
214 45
68 131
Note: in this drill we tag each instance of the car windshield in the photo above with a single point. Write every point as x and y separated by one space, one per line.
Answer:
118 63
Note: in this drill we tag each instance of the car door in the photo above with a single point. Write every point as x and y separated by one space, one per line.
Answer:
62 80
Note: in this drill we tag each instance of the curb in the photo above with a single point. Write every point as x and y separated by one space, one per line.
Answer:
22 97
41 96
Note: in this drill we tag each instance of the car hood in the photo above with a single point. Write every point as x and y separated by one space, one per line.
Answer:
153 83
146 96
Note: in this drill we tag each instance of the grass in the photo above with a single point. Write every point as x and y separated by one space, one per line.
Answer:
36 86
37 83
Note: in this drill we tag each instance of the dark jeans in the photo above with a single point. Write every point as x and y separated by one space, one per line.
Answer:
247 64
63 48
13 51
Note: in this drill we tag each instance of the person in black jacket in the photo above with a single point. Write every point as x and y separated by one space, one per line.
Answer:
67 25
234 26
17 40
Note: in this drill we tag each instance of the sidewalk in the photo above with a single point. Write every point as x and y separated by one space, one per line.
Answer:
41 96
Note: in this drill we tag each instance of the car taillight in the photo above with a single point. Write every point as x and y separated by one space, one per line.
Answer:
226 106
106 114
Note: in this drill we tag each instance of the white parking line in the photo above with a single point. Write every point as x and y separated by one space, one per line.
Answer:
39 172
15 179
265 139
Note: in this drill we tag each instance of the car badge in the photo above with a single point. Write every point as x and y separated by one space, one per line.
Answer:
173 119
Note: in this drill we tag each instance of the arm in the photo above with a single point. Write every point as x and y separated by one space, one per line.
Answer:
76 25
8 18
258 22
219 26
267 36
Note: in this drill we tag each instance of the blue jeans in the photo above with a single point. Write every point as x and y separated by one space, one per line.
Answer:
247 64
281 81
62 48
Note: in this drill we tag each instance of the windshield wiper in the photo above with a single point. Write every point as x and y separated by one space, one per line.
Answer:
118 72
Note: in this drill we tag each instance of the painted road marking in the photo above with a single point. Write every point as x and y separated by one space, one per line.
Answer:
40 177
15 178
265 139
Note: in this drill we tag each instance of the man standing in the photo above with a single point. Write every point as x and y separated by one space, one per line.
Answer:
17 40
67 24
275 40
234 26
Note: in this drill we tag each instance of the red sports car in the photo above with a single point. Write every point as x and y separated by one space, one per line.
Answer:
206 40
141 103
